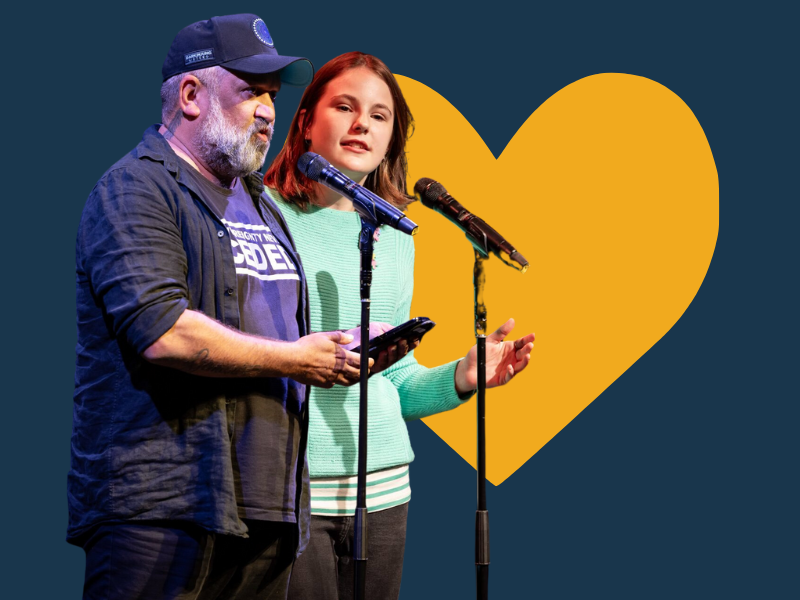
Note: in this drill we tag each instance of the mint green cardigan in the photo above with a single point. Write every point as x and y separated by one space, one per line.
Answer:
327 241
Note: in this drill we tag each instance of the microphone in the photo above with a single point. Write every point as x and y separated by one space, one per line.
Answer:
371 207
483 238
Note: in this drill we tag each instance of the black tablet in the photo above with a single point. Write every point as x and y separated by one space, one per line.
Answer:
410 330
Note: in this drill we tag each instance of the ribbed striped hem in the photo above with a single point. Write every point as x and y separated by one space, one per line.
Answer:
336 496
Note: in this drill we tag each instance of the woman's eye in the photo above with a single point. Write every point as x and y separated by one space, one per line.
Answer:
379 117
343 108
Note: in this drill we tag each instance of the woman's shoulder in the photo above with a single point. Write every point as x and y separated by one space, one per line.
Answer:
315 221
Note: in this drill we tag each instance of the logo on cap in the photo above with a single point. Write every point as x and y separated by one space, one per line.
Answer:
199 56
262 33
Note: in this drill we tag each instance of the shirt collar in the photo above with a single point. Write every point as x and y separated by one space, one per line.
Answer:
154 146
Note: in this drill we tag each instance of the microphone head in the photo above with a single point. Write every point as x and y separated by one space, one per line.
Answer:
429 191
311 165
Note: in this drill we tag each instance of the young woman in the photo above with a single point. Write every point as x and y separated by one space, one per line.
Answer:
354 115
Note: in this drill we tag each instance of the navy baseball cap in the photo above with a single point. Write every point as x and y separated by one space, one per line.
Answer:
236 42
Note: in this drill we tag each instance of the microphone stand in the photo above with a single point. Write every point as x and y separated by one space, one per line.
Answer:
365 244
481 514
483 239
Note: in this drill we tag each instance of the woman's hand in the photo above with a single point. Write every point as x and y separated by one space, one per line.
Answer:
386 358
503 360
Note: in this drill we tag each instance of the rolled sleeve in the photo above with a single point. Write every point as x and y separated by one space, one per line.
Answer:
131 252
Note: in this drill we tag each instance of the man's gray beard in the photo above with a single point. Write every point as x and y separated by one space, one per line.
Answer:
227 150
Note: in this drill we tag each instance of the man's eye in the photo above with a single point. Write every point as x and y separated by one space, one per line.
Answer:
255 92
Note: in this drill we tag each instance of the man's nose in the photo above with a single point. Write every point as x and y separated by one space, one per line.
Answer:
266 110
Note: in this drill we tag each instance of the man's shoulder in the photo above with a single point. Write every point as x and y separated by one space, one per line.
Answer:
144 172
131 179
137 165
133 187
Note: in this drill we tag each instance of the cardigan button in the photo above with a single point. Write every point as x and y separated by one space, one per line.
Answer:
229 292
220 233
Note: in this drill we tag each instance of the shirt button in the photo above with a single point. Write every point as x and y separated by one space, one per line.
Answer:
220 233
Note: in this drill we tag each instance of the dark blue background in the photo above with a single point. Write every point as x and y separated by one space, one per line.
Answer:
680 481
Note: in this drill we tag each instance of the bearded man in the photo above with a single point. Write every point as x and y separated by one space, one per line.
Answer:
188 476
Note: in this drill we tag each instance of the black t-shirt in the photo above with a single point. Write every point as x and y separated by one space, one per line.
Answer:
266 428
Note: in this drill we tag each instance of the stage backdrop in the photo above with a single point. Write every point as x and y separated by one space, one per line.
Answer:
641 156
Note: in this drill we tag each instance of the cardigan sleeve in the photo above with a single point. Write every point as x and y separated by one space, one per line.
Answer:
423 391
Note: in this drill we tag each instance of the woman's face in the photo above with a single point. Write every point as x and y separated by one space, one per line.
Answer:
352 123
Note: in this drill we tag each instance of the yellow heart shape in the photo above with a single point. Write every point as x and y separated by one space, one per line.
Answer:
611 192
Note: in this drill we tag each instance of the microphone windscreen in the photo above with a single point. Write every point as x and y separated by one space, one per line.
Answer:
311 165
429 191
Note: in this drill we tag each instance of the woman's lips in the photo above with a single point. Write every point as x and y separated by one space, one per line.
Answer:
354 146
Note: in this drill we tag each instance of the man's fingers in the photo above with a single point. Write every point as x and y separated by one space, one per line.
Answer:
339 362
348 375
344 381
340 337
352 358
348 367
352 364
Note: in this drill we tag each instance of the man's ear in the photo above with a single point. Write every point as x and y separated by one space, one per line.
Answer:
190 86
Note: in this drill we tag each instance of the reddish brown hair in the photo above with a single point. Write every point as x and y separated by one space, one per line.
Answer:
387 181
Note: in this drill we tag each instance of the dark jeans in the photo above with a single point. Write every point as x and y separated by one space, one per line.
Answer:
169 560
325 569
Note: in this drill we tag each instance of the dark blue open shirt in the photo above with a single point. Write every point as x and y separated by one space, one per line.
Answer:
149 442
